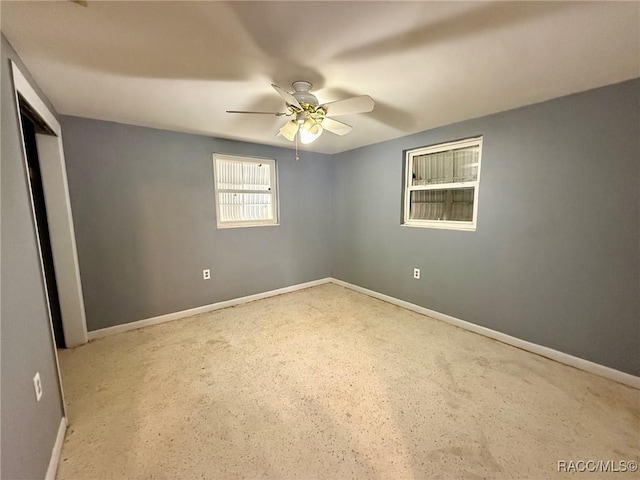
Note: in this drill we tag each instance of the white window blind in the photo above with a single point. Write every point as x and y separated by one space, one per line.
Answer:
245 191
441 187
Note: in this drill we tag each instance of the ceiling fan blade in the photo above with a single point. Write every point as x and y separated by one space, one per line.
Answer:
82 3
290 99
335 126
361 104
277 114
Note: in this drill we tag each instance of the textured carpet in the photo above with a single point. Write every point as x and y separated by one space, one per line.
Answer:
329 383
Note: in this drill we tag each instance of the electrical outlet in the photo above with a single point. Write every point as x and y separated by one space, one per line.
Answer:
416 273
206 274
37 385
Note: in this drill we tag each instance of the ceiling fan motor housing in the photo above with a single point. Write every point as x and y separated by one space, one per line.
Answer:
302 94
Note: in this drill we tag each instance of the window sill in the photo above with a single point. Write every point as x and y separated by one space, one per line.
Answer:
465 227
246 225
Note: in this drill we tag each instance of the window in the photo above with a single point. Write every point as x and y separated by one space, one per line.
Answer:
245 189
441 185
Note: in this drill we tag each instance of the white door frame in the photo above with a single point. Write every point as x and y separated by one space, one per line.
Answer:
58 204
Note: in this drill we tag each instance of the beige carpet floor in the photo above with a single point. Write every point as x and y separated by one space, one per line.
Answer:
329 383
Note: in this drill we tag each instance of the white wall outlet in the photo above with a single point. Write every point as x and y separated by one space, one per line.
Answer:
37 385
416 273
206 274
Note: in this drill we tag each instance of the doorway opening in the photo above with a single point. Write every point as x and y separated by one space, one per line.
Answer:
46 176
33 124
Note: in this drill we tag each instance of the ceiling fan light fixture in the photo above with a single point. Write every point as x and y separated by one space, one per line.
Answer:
309 118
310 131
289 130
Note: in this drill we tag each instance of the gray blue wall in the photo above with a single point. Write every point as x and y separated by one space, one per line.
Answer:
144 214
554 261
29 428
555 258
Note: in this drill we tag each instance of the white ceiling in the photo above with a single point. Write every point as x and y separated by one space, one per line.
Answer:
180 65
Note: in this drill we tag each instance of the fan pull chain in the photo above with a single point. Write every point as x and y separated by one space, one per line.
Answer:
297 157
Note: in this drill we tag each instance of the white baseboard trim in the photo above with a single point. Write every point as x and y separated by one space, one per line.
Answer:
103 332
565 358
57 450
580 363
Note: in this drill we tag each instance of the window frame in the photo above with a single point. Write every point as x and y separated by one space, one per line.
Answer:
408 187
273 191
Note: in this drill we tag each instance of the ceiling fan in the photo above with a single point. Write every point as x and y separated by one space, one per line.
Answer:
309 117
